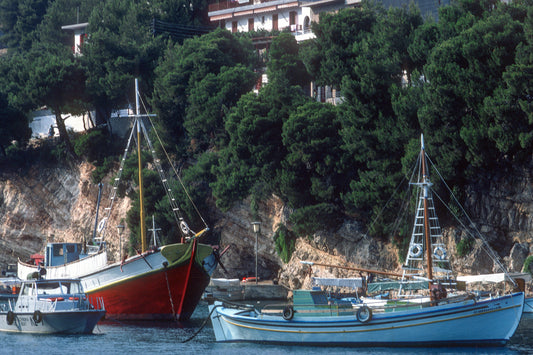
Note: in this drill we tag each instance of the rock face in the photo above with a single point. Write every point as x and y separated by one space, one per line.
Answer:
236 231
59 204
51 204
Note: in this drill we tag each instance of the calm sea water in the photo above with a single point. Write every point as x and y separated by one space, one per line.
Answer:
167 338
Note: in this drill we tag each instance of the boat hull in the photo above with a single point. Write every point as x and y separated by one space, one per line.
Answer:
135 291
489 322
68 322
166 283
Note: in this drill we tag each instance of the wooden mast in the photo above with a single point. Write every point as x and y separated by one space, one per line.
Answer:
425 186
138 123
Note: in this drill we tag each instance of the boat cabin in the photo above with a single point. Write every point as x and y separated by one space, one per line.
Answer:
63 253
50 288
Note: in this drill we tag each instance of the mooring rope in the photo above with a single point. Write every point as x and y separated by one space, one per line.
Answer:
170 297
201 327
225 303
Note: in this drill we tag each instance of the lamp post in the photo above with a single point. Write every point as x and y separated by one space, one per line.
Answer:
120 229
257 229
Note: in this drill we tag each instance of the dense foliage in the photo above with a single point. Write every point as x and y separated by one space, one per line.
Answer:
465 81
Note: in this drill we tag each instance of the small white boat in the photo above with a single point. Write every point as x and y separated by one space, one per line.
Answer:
51 306
453 321
435 317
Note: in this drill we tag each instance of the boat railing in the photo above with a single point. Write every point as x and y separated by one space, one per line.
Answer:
96 303
310 309
352 309
407 303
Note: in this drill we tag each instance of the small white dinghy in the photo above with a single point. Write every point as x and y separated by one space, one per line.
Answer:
51 306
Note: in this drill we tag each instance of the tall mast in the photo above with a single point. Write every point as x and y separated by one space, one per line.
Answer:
138 123
425 187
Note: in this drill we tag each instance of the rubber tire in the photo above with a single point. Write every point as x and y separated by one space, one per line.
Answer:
37 317
364 314
10 318
288 313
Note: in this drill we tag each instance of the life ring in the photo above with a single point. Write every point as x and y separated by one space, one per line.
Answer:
101 225
439 253
415 250
288 313
184 227
10 317
37 317
364 314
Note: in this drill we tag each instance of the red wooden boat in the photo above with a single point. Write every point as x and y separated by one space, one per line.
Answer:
160 283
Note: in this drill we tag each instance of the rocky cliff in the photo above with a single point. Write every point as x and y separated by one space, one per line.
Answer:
43 204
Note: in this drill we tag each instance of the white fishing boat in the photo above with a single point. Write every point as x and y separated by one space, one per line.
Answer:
51 306
463 319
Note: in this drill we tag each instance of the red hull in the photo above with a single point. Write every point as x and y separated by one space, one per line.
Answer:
147 297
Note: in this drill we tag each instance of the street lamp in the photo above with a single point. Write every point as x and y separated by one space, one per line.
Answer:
257 229
120 229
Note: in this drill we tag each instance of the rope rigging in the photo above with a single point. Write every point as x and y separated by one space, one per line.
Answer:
176 211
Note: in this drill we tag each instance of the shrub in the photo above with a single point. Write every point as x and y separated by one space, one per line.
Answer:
309 219
465 246
94 145
527 263
285 243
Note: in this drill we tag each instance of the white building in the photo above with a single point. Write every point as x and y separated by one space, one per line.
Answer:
80 33
276 15
43 119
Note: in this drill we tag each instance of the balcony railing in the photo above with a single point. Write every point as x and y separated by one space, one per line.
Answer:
229 4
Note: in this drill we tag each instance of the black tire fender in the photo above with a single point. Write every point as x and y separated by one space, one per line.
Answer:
364 314
288 313
37 316
10 318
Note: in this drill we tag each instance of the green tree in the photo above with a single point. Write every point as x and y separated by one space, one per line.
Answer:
120 48
376 122
209 101
183 12
60 13
333 56
14 73
255 149
284 61
310 170
510 109
456 108
19 20
13 125
181 72
57 80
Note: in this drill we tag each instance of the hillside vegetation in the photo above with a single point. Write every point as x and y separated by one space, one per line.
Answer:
465 82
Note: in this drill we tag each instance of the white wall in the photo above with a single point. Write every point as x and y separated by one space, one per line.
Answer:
283 21
42 120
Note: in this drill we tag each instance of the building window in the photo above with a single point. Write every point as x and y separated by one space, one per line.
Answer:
250 24
234 27
292 20
307 24
274 22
